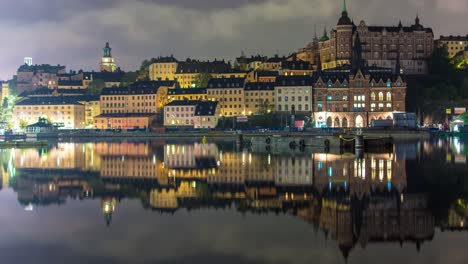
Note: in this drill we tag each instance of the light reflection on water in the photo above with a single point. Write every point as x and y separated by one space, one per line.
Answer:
357 205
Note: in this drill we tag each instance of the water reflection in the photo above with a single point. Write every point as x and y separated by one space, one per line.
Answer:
354 201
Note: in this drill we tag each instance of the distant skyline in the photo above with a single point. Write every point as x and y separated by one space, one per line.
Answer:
73 33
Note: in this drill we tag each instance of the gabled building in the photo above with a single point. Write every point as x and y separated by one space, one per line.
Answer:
354 97
381 45
229 92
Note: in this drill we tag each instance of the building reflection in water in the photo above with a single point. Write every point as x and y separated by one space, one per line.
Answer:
353 201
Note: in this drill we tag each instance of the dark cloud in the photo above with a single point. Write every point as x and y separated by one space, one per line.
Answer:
73 32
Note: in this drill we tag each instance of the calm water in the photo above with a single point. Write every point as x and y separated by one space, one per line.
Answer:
173 202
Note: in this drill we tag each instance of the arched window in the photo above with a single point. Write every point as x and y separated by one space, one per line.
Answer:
319 97
389 96
380 96
372 96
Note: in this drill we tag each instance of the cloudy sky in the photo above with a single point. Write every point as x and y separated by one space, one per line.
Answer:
73 32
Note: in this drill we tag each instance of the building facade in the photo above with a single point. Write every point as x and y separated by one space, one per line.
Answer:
454 44
64 111
382 46
35 76
229 92
259 98
191 114
293 94
163 69
346 97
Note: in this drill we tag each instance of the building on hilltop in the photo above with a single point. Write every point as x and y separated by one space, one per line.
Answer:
381 45
31 77
163 69
454 44
107 61
188 71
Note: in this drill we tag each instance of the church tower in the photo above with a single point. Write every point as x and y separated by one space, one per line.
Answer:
107 62
344 37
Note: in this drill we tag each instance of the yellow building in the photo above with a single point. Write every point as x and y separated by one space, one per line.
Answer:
454 44
138 98
163 69
189 71
259 97
272 64
229 92
65 111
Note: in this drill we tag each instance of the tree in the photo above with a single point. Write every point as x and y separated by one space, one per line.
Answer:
202 79
129 78
464 117
96 87
23 124
143 72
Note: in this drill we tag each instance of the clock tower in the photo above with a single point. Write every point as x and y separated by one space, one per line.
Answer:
107 62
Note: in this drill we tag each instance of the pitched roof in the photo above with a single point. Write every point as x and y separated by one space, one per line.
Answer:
259 86
105 76
49 100
299 80
70 83
226 83
180 91
120 115
145 87
195 66
296 65
453 38
206 108
167 59
183 103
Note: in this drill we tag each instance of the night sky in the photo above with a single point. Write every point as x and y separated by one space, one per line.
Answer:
73 32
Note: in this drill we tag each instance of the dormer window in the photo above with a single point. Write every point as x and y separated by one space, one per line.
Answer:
389 84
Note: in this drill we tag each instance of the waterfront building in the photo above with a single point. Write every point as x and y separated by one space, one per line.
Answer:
454 44
64 111
139 97
32 77
107 61
381 45
293 94
191 114
163 69
349 96
229 92
259 98
189 71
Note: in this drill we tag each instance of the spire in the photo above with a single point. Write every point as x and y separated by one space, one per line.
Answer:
107 50
400 25
344 6
315 33
417 18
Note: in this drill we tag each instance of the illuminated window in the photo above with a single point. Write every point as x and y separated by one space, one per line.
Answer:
380 96
373 96
389 96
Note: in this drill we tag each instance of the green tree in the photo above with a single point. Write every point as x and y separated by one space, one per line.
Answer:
23 124
96 87
202 79
143 72
129 78
13 86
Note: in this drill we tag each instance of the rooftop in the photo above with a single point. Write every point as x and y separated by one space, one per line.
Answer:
180 91
300 80
259 86
49 100
226 83
206 108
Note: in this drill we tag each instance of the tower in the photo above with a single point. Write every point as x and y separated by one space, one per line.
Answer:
28 61
107 62
344 32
